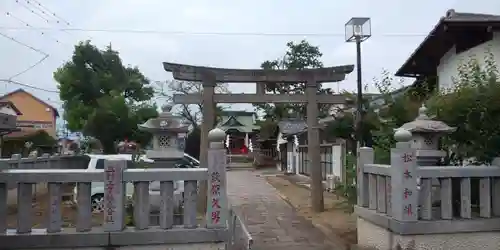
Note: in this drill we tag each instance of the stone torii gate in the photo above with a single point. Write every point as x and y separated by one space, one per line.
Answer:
312 77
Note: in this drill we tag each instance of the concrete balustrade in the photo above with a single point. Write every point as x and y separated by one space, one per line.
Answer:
222 228
379 191
429 207
113 231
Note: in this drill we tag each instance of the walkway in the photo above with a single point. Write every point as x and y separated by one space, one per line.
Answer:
272 222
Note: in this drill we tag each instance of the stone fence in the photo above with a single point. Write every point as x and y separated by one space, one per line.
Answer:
213 233
46 161
426 207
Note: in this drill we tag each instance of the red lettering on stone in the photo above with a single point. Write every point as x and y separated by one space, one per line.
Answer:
215 217
215 203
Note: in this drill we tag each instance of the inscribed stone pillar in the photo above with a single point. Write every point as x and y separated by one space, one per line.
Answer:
217 206
114 197
313 149
206 125
404 178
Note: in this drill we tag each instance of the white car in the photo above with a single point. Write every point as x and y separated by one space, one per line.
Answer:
97 188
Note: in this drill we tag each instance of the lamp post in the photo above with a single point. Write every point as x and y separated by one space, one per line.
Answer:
357 30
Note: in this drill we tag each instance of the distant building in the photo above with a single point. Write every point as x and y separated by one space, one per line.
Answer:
239 125
8 120
34 114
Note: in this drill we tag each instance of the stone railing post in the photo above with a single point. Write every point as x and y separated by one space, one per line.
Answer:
217 204
15 161
365 156
114 195
404 178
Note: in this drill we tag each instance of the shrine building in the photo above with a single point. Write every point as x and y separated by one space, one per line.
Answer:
241 129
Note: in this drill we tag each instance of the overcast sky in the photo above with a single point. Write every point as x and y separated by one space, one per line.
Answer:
398 27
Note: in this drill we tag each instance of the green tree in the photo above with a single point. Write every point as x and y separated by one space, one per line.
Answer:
299 55
102 97
391 108
473 107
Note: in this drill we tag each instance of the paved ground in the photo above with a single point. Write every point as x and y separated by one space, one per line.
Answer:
273 223
336 221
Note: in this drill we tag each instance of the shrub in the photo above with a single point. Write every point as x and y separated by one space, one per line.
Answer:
472 105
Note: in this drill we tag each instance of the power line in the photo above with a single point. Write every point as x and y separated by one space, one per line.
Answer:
32 11
24 44
38 28
49 11
9 14
18 19
28 86
41 59
38 8
30 67
165 32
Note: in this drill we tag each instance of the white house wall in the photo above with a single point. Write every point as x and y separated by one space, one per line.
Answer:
448 65
7 110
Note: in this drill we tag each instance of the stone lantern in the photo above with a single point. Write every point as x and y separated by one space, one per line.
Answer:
425 137
169 136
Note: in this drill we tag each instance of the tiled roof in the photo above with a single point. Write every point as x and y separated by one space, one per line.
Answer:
435 38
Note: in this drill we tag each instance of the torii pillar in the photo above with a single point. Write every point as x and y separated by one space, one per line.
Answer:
208 112
207 124
313 146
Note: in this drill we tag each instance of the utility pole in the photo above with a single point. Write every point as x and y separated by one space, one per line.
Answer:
359 120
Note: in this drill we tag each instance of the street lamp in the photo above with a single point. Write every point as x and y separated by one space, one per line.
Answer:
358 29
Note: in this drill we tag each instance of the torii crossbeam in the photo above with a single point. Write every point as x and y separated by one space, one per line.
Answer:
311 77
